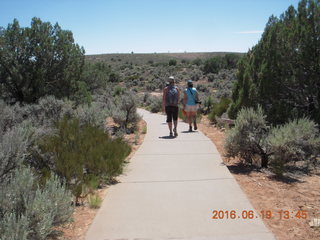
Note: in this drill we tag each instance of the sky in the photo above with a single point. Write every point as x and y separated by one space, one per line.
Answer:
149 26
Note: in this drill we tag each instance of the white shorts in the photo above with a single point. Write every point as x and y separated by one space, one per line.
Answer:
191 108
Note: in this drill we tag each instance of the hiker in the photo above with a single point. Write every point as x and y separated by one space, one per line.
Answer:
170 101
191 98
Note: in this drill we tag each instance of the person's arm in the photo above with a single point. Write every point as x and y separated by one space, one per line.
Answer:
185 98
164 97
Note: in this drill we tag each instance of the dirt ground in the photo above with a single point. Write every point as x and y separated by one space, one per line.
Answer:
267 193
264 192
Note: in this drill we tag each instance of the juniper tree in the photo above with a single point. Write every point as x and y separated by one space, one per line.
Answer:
38 60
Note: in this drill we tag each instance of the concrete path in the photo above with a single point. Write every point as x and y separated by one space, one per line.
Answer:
170 189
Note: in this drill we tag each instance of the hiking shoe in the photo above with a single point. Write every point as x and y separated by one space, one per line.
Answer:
190 128
195 125
171 135
175 132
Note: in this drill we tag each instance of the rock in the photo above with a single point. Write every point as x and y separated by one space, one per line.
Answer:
315 222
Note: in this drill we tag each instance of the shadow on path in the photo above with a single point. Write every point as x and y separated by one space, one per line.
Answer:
189 131
167 137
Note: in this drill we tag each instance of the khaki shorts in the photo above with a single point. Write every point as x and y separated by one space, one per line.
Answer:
191 108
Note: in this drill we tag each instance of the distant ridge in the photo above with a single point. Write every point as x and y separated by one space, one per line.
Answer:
154 57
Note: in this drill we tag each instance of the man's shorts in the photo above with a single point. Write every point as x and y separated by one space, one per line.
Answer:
172 113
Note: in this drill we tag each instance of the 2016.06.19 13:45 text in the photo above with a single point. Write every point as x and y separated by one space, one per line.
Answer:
264 214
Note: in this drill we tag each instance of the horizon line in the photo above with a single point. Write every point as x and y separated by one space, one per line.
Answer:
185 52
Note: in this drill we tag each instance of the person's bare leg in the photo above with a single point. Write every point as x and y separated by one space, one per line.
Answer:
195 121
175 124
190 121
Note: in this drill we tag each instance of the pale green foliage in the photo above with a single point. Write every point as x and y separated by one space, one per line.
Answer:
13 147
94 201
154 104
91 114
125 113
30 212
13 227
247 138
294 141
7 117
47 110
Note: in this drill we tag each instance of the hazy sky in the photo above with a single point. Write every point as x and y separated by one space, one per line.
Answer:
142 26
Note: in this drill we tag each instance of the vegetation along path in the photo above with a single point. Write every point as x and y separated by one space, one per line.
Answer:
172 189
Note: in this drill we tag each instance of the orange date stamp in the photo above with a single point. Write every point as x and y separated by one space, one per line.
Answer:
264 214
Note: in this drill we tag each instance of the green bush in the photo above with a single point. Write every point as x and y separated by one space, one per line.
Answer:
118 91
96 75
197 61
207 105
94 201
218 109
125 113
30 212
247 138
213 65
294 141
172 62
78 152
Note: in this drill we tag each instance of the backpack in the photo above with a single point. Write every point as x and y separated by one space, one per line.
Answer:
172 96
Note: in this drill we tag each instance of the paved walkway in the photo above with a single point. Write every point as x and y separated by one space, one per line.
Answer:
170 189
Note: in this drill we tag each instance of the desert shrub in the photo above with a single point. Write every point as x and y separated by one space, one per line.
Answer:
150 86
202 88
185 61
197 61
96 75
14 227
81 94
207 105
247 138
114 77
213 65
172 62
94 201
91 115
219 108
104 101
118 91
47 110
78 152
30 212
211 77
232 60
196 75
13 148
9 116
294 141
125 113
154 104
146 97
